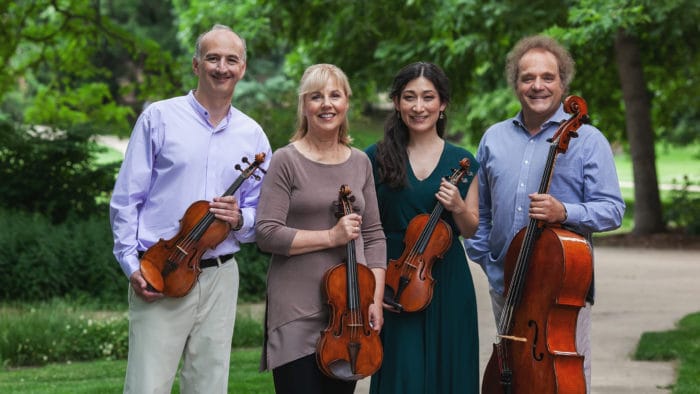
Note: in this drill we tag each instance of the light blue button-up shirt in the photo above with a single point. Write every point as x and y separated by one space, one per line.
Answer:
512 166
175 157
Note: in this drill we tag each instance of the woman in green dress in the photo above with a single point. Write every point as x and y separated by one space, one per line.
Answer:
435 350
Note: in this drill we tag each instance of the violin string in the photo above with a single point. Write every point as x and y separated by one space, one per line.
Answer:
203 224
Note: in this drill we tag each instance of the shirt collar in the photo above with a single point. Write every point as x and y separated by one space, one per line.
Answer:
204 113
555 120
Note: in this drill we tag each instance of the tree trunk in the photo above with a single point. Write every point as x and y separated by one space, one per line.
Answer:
648 216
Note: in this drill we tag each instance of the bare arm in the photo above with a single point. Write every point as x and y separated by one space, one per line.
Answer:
345 230
465 212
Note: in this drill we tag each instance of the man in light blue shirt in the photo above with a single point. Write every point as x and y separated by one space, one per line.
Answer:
183 150
584 193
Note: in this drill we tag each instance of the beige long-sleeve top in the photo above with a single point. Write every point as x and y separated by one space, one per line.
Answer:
298 193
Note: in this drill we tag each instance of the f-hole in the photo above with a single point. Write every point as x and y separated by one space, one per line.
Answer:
537 357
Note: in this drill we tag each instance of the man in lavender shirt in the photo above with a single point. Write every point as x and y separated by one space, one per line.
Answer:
182 150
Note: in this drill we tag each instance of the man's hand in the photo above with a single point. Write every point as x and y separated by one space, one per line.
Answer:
546 208
226 209
141 288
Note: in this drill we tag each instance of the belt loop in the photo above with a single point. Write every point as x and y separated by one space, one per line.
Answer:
218 261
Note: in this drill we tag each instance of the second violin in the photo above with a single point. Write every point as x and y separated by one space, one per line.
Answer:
409 283
349 348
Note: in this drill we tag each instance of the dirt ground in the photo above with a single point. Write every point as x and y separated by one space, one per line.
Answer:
670 240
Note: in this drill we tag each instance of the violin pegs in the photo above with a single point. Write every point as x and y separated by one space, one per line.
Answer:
238 167
245 160
257 177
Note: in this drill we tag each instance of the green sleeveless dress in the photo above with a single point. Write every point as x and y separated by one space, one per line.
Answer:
435 350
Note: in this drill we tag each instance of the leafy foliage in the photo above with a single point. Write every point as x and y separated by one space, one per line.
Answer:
73 58
53 172
57 333
41 260
684 209
37 334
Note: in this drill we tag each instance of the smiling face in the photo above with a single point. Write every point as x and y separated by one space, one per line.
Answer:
539 87
221 64
325 109
419 105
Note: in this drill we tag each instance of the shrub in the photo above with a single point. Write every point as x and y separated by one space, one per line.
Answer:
41 260
56 331
53 172
252 265
683 211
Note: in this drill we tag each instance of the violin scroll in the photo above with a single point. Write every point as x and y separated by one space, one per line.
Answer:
250 171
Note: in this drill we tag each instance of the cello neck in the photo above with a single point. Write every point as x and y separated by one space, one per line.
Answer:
559 143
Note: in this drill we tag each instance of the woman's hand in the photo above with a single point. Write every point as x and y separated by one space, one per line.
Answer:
347 229
376 317
448 195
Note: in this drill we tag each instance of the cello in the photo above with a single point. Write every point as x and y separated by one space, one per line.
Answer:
548 271
409 282
349 348
171 266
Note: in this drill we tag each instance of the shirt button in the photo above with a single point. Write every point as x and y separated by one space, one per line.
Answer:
519 209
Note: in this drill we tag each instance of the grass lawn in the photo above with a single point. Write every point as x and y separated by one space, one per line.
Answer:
681 344
108 377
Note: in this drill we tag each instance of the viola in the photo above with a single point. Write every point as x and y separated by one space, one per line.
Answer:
171 266
349 349
548 271
409 280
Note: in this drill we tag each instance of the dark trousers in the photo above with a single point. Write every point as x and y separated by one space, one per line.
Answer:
302 376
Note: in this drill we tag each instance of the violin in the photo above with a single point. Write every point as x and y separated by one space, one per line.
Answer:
349 349
172 267
409 281
548 271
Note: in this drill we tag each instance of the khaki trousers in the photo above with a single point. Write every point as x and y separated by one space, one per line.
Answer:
197 328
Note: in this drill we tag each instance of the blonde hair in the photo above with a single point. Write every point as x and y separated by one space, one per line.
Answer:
314 79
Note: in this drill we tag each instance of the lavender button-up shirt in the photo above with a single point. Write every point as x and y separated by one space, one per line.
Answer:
174 158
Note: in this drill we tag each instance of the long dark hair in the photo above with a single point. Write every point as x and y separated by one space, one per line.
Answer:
391 150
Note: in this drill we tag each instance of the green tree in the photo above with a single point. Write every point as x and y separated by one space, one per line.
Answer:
69 62
470 38
646 39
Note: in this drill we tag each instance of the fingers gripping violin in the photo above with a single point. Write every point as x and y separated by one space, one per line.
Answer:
172 267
